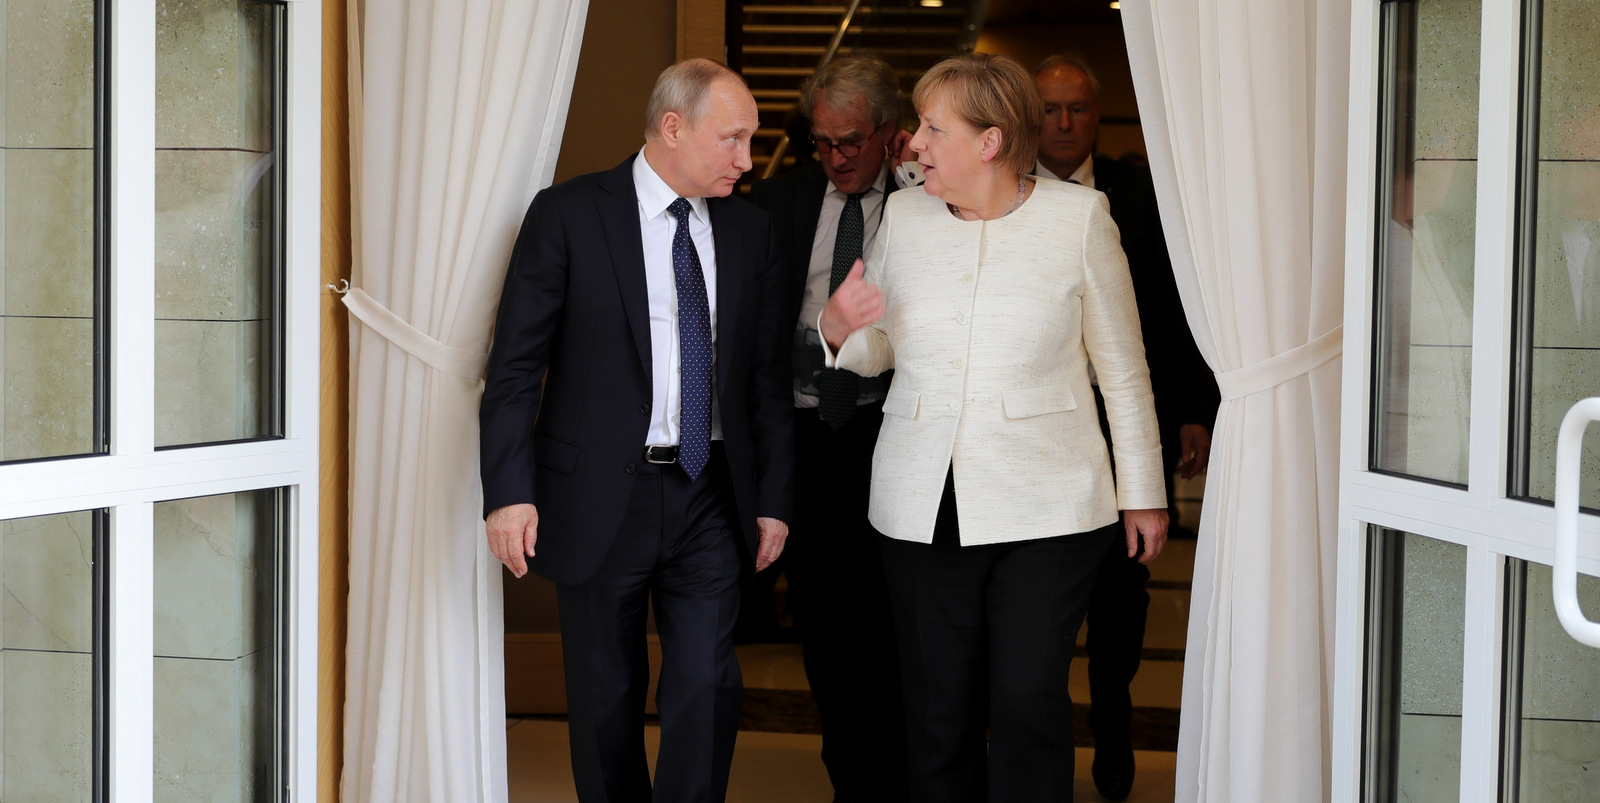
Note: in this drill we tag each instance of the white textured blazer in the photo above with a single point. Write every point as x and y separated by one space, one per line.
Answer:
990 328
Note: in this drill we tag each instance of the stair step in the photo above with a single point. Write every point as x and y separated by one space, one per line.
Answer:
787 94
818 50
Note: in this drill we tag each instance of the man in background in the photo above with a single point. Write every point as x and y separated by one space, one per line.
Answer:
1185 392
637 433
826 214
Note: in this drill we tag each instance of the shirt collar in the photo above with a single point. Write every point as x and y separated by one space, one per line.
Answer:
879 184
655 196
1083 175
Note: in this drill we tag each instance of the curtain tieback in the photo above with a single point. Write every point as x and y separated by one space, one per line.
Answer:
1281 368
391 327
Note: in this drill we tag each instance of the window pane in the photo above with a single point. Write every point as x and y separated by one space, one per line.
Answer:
48 358
47 657
1559 739
217 233
1426 231
1416 626
217 706
1559 304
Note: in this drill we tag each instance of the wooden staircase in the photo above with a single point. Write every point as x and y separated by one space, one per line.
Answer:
777 47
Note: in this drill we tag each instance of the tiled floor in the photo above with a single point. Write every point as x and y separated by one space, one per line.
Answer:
787 767
767 768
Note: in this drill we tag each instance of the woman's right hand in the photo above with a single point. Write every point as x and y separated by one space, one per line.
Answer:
855 304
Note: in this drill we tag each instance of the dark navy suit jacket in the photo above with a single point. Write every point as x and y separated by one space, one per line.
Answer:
566 404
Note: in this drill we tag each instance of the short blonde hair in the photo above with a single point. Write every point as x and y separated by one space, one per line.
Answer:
989 91
683 88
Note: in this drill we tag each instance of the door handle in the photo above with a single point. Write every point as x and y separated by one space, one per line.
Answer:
1564 572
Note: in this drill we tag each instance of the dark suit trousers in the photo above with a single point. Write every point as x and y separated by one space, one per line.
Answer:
678 547
841 608
1118 609
986 638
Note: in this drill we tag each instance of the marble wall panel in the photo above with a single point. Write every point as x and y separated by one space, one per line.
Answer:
49 74
1443 236
1558 674
48 386
211 227
1569 106
1448 33
1560 378
49 750
209 378
207 576
1428 760
1437 411
1433 621
49 582
208 743
1560 762
49 214
211 90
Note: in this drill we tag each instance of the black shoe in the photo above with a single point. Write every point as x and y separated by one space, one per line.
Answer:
1113 772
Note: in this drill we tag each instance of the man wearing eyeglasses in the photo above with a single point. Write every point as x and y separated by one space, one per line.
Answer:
825 216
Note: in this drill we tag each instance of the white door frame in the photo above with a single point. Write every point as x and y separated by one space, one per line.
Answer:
1482 517
134 476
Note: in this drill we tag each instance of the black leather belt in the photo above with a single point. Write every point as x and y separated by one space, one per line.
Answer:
661 455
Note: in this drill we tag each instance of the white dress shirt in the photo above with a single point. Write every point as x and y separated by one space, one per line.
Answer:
1083 175
820 272
657 227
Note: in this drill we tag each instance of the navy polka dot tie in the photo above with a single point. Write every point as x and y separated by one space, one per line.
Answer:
694 348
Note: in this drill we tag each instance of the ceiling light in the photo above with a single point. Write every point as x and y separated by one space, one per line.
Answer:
1115 5
933 3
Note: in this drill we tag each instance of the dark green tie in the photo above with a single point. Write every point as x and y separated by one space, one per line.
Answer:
837 404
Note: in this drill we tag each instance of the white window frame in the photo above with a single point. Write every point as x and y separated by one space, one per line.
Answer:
1483 518
134 476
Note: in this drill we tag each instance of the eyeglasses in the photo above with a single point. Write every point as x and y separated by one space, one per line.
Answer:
849 149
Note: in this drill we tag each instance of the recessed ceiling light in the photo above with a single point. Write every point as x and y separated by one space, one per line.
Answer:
933 3
1116 5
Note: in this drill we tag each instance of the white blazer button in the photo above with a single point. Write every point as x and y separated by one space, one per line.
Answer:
955 406
961 318
967 279
959 362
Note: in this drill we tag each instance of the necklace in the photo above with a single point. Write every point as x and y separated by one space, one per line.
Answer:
1022 193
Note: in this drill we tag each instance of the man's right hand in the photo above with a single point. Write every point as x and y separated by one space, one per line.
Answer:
855 304
513 530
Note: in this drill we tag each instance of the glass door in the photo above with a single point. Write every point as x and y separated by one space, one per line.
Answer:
1472 326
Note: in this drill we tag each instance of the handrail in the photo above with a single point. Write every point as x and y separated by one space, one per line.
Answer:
833 48
1564 570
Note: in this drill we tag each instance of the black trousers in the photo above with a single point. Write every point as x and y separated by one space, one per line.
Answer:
678 548
1118 608
986 638
841 607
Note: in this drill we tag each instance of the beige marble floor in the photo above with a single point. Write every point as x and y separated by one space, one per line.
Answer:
767 768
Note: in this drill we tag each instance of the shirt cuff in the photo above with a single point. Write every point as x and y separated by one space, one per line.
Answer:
829 359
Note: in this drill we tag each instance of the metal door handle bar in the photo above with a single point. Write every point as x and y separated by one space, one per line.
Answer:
1564 573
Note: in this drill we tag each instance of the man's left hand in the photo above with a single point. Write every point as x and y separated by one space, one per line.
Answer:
773 534
1194 450
1152 524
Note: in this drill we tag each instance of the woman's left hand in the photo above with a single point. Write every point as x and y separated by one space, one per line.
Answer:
1152 524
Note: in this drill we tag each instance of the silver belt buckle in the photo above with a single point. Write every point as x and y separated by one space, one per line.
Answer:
661 455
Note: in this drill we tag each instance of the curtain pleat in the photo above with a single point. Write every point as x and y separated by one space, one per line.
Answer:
1245 109
458 108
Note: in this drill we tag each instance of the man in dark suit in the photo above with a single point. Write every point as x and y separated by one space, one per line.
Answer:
637 432
1185 392
825 214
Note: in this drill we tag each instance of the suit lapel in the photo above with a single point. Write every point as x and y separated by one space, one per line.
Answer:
619 219
807 210
731 256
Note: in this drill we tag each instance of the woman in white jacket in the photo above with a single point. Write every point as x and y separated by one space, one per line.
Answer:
990 295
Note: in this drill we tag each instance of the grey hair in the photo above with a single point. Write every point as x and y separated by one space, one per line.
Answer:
837 84
1074 61
683 88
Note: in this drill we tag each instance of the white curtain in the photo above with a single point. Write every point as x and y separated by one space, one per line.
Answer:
457 109
1245 107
